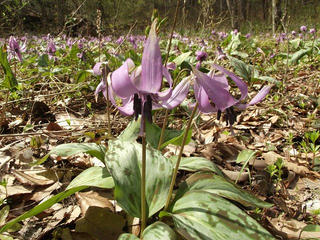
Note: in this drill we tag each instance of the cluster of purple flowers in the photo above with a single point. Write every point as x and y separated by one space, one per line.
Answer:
139 88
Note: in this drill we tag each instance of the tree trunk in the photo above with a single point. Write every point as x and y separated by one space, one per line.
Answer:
276 15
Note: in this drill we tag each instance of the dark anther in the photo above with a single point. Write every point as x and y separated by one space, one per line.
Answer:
219 114
230 116
147 108
136 106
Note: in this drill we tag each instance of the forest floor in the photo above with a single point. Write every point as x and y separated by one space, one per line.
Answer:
284 171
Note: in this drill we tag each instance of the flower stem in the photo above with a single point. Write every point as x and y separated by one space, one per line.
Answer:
108 103
143 182
175 172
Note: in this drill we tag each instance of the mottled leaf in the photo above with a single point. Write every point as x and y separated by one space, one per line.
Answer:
123 160
93 177
298 55
193 164
215 184
159 231
205 216
69 149
127 236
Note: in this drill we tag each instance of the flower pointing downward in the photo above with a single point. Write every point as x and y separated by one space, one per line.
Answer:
212 93
15 48
139 87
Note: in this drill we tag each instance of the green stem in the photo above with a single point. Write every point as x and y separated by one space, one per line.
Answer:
143 183
175 172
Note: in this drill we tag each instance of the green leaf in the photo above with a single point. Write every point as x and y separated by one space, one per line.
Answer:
215 184
244 70
234 43
4 214
131 132
93 177
204 216
153 133
244 157
193 164
66 150
123 160
295 43
42 206
239 54
298 55
311 228
10 80
174 137
181 58
127 236
268 79
82 76
159 231
43 60
5 237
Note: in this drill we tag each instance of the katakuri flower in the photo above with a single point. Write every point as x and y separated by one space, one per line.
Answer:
312 31
51 48
15 49
303 28
139 88
213 95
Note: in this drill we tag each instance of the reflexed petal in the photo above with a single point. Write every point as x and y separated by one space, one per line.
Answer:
100 88
215 90
121 82
240 84
151 76
127 104
258 98
203 99
178 95
96 69
19 55
166 94
220 78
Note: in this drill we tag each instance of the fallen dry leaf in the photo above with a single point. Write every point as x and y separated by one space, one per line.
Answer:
101 223
91 198
271 157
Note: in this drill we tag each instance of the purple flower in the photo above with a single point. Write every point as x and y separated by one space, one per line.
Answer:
51 48
171 66
15 48
272 55
120 40
70 42
235 31
132 40
212 93
201 56
221 54
248 35
312 31
303 28
139 88
293 33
